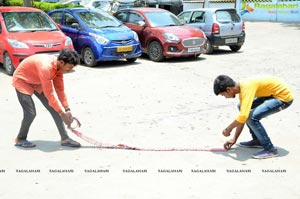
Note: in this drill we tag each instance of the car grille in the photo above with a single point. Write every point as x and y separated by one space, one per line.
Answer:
46 45
121 42
192 42
48 52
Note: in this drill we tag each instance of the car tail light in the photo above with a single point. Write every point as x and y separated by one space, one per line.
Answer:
215 28
243 27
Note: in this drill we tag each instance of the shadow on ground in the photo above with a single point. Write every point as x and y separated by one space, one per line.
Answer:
296 25
47 146
243 154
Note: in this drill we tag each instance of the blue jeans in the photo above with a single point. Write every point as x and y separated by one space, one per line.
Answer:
263 107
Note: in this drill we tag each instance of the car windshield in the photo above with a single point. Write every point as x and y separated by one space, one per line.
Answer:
28 22
104 5
96 20
160 19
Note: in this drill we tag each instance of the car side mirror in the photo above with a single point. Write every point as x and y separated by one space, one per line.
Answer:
141 23
59 25
75 26
182 21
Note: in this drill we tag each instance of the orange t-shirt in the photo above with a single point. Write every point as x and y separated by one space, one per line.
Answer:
40 73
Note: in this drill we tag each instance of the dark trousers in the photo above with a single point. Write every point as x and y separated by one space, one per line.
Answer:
29 114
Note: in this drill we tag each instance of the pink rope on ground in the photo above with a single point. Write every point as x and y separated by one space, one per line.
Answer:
125 147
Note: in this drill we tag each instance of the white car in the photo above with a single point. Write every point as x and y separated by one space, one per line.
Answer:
107 5
222 26
74 2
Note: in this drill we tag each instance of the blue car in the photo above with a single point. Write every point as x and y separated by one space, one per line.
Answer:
97 35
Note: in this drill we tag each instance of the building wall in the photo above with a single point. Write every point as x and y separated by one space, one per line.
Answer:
256 10
270 10
188 4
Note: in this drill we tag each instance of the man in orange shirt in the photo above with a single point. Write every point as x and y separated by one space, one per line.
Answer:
259 97
42 75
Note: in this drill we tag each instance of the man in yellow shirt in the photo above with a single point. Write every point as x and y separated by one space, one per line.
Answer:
259 97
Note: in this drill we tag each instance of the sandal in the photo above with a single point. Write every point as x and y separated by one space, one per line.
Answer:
70 143
25 144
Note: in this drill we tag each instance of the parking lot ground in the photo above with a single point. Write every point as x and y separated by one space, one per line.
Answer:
159 105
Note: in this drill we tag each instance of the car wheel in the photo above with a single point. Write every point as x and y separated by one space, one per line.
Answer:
209 48
88 57
235 48
131 60
8 65
155 51
196 56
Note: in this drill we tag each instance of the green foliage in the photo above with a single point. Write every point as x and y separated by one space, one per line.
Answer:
51 6
40 5
14 2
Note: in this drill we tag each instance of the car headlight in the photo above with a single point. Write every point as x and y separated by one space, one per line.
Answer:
68 42
136 37
17 44
101 40
170 37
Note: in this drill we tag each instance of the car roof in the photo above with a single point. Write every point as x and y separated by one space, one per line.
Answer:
18 9
145 9
209 9
78 9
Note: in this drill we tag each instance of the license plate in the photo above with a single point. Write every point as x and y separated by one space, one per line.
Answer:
231 40
124 49
192 50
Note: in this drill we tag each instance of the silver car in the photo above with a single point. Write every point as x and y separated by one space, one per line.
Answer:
222 26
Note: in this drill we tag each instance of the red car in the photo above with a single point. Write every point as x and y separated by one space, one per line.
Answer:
25 31
162 34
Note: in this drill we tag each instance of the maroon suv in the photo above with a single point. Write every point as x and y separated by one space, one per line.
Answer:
162 34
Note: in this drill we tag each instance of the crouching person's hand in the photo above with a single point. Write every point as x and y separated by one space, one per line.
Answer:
229 144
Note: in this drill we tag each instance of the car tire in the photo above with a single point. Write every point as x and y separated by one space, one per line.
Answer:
88 57
131 60
196 56
235 48
209 48
8 65
155 51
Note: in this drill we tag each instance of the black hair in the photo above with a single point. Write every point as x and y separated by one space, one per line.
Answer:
69 56
222 82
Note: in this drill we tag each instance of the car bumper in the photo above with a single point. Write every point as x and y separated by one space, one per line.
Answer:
217 40
19 55
173 51
111 53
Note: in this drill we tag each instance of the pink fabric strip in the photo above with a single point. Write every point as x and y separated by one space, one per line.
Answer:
126 147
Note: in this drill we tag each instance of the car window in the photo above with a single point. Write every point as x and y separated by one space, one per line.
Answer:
185 16
234 16
122 16
198 17
104 5
135 18
28 22
224 16
97 4
69 20
160 19
57 16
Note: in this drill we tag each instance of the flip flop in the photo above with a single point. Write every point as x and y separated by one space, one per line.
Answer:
71 143
25 144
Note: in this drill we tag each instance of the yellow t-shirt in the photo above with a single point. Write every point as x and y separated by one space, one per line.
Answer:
261 87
